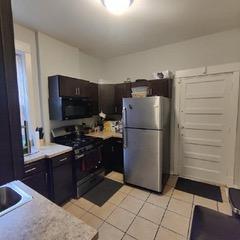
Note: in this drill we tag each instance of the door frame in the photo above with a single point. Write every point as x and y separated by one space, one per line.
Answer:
182 75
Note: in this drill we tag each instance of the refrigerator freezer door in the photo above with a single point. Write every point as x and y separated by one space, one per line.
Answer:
143 158
142 112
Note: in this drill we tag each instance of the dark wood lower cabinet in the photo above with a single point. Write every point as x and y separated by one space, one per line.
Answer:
113 155
61 178
117 155
36 177
38 182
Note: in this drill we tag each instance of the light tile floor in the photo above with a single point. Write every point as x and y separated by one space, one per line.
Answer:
134 213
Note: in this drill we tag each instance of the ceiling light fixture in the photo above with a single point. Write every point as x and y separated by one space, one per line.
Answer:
117 6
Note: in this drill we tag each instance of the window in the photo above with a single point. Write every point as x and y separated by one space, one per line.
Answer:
27 96
24 102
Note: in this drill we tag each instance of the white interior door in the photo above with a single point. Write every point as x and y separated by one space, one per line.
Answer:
208 118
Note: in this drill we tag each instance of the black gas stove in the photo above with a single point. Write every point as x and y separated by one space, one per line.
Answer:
88 167
80 143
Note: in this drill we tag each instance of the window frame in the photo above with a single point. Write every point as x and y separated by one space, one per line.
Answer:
24 49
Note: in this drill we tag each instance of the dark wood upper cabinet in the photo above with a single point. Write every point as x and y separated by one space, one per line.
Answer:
62 86
11 152
122 90
107 98
94 95
161 87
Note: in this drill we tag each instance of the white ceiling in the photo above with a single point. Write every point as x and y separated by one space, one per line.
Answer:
147 24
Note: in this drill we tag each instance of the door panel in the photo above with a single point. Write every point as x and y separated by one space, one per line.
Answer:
142 158
207 127
134 109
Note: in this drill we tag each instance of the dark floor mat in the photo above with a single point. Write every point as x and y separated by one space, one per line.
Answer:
199 188
103 191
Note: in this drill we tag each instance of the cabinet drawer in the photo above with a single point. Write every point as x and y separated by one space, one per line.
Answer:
62 159
31 168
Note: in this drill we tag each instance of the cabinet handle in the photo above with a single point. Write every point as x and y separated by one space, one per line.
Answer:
46 178
76 91
80 156
30 170
64 159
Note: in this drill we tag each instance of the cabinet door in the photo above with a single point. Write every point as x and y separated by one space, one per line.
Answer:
68 87
93 94
83 88
38 182
117 155
62 183
106 98
119 92
107 155
161 87
122 90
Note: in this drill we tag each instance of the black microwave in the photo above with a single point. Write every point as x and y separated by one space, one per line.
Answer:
70 108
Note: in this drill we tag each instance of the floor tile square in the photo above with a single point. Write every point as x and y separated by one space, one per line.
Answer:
83 203
66 205
108 232
104 211
131 204
224 192
152 213
184 196
92 220
126 189
205 202
180 207
165 234
121 219
172 180
117 198
142 229
159 200
75 210
225 208
140 194
168 190
176 223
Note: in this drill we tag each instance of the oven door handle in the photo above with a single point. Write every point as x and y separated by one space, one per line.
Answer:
88 152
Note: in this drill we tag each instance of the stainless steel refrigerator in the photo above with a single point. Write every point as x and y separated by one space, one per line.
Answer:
146 135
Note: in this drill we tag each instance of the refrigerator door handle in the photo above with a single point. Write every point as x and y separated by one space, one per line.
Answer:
124 127
125 138
124 112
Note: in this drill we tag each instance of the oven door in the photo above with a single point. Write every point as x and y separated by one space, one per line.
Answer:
75 108
87 163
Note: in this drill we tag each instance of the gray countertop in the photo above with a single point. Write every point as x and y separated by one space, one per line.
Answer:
48 151
41 219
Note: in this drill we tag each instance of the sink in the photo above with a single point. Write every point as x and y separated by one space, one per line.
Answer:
12 197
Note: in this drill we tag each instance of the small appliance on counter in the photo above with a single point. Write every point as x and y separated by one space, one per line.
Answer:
88 169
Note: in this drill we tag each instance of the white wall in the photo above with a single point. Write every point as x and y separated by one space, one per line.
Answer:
212 49
56 57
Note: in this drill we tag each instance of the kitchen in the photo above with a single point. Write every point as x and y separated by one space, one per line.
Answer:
75 85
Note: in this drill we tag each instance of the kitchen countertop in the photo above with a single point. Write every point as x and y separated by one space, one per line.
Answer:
47 151
104 135
41 219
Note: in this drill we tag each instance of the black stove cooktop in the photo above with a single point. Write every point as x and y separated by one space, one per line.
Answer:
77 141
72 137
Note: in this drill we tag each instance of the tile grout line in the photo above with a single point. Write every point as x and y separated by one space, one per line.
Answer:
163 214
